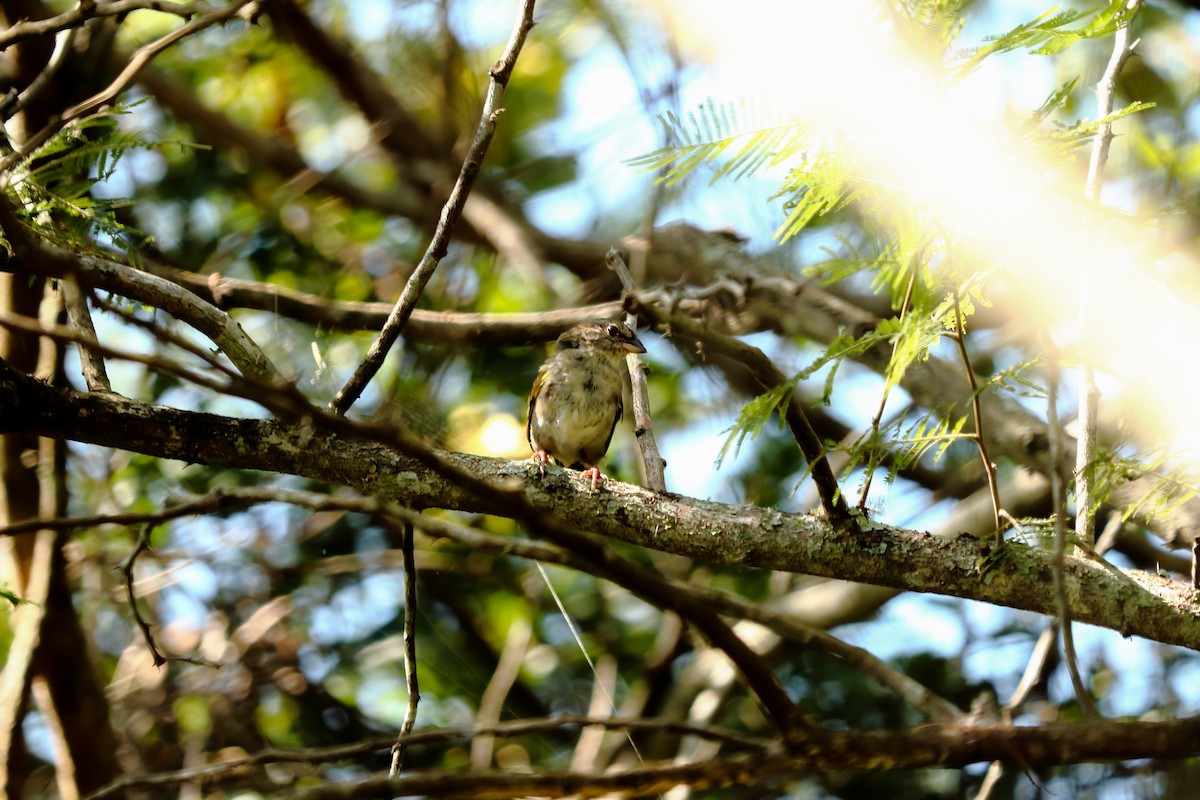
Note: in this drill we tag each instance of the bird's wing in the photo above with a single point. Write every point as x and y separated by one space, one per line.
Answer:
613 427
538 384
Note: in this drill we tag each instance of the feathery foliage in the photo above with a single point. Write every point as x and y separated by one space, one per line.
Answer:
1047 34
55 186
910 259
755 137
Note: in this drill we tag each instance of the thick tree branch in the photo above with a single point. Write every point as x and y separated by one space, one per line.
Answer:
97 273
951 745
426 737
1135 603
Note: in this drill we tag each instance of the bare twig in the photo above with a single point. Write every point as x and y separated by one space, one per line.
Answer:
214 501
142 56
82 12
139 59
143 544
160 293
164 365
989 469
1089 393
62 49
768 376
1035 673
91 362
887 388
1058 492
1105 91
587 748
167 336
1035 670
451 211
652 460
410 650
146 284
324 755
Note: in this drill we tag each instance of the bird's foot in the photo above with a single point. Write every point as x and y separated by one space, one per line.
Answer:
542 458
596 476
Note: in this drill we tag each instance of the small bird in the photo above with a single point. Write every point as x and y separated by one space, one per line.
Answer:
576 400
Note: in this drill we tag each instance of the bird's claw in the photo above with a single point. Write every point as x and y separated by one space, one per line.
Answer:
597 476
542 458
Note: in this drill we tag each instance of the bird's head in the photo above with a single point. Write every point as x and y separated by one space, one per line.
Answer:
610 338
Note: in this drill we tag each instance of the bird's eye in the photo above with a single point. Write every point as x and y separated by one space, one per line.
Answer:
613 330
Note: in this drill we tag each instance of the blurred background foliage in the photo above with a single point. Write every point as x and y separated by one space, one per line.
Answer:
304 610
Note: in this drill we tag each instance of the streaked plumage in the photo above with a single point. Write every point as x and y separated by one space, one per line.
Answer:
576 398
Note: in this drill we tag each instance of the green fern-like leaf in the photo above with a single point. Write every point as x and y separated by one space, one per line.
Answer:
1048 34
55 184
819 187
1082 132
1172 485
753 418
755 414
749 136
1055 101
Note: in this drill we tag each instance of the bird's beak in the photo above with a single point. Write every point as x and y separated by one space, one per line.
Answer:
634 345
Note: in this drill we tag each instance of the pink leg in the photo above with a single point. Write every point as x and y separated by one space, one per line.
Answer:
596 476
542 458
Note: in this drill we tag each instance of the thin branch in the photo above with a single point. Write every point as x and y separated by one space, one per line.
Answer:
721 602
451 211
768 376
91 363
63 43
949 745
164 365
604 676
1089 393
508 667
989 469
587 747
652 460
1058 492
887 388
1105 92
51 261
28 29
142 545
140 58
1035 672
112 274
430 736
410 651
215 501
